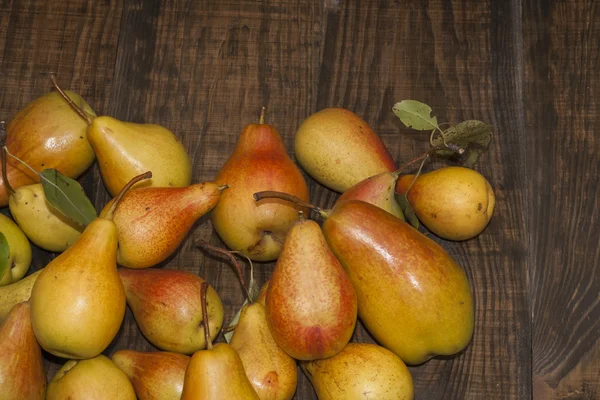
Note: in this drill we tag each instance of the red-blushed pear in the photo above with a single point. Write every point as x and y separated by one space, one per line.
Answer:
360 371
97 378
378 190
78 301
166 306
156 375
412 296
272 372
311 304
259 162
216 373
153 221
455 203
22 373
339 149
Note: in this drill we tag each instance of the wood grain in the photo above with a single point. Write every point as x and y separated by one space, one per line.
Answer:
563 90
530 68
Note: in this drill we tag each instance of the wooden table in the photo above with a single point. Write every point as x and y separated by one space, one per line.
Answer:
529 67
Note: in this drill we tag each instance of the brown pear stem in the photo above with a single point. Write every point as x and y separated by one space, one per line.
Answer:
269 194
222 187
238 268
415 178
261 119
4 173
397 172
71 103
203 290
133 181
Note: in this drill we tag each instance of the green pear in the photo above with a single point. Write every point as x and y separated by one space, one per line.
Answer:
15 293
96 378
360 371
339 149
455 203
19 251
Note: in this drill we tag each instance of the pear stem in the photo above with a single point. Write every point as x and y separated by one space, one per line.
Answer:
222 187
72 104
269 194
238 268
397 172
133 181
4 173
261 119
203 290
415 178
5 149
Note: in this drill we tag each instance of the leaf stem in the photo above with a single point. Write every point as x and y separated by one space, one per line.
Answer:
238 269
203 290
269 194
5 173
133 181
71 103
21 161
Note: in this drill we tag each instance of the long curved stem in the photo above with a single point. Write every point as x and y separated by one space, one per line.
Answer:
238 268
416 176
4 148
203 290
5 173
74 106
133 181
397 172
269 194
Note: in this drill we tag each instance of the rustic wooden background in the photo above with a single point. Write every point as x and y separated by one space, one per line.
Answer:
528 67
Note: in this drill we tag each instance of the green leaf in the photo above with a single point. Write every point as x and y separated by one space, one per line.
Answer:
465 142
407 210
67 196
4 255
416 115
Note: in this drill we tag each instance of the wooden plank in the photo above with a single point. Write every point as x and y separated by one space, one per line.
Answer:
77 41
204 70
464 59
562 92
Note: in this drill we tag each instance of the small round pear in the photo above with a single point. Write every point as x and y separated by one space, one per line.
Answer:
19 251
455 203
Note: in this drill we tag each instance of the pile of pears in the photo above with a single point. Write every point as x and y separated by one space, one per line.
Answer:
357 260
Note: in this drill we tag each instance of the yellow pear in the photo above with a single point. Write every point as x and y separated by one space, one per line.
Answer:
78 300
271 371
19 251
455 203
42 223
216 373
125 150
339 149
360 371
97 378
16 293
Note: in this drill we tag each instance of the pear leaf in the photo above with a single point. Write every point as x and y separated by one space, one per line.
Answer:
4 255
416 115
464 143
407 210
67 196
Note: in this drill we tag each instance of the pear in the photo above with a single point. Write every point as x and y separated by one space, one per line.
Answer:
22 373
97 378
217 372
259 162
412 296
360 371
15 293
311 304
42 223
166 306
152 222
379 190
47 134
19 251
125 150
339 149
78 300
455 203
156 375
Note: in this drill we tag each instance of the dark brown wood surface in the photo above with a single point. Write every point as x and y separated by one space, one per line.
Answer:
530 68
